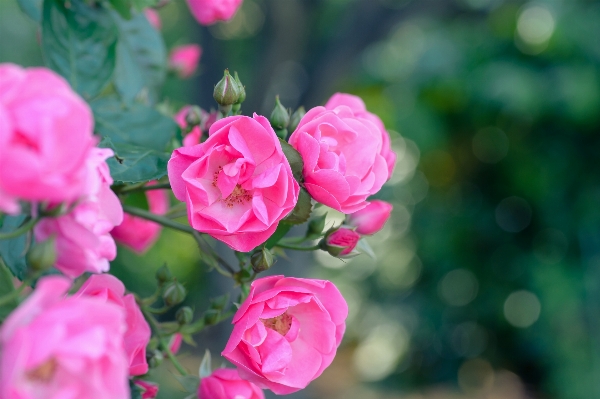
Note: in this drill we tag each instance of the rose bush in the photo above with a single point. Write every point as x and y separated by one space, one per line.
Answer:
207 12
49 151
83 240
237 184
227 384
371 219
110 289
137 233
57 347
342 157
287 332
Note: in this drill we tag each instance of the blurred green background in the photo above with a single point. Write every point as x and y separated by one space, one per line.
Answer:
487 278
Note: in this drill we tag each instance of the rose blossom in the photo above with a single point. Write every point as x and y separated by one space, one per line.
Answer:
153 17
357 105
342 160
237 184
227 384
371 219
45 137
57 347
184 59
137 233
83 240
341 242
207 12
286 332
111 289
149 389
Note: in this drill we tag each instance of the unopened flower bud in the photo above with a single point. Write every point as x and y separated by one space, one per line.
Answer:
184 315
296 118
154 358
174 293
42 255
211 316
280 117
261 260
241 87
341 242
193 117
163 274
219 302
227 91
148 390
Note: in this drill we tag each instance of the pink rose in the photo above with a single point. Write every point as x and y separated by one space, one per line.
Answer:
207 12
342 160
57 347
287 332
83 240
45 137
184 59
153 17
237 184
111 289
372 218
149 389
227 384
357 105
137 233
341 242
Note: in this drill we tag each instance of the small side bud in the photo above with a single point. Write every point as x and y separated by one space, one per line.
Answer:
42 255
174 293
261 260
154 358
163 274
280 117
219 302
296 118
184 315
211 316
227 91
341 242
241 88
193 117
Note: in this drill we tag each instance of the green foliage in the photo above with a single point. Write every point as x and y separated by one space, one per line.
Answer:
13 251
134 164
80 43
294 158
141 58
302 210
282 230
32 8
6 287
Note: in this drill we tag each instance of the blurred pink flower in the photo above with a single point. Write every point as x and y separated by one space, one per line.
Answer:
57 347
207 12
137 233
287 332
371 219
237 184
83 240
342 160
153 17
227 384
45 137
111 289
149 389
184 59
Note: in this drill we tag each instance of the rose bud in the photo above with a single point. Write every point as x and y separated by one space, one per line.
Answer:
286 332
227 384
175 343
149 389
261 260
371 219
341 242
207 12
184 59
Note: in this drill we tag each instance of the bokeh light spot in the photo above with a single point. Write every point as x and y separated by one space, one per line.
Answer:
458 287
476 375
513 214
377 356
535 25
522 308
490 145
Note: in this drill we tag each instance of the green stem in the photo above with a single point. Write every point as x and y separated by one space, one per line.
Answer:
158 219
203 245
24 228
135 187
161 341
296 248
15 294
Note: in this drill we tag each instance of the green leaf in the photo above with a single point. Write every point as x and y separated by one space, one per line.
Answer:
188 382
13 251
134 164
79 43
302 210
294 158
281 231
123 7
205 367
137 124
6 287
32 8
139 5
136 391
141 58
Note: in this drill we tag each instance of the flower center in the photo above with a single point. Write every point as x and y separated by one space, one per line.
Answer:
281 323
237 196
44 372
